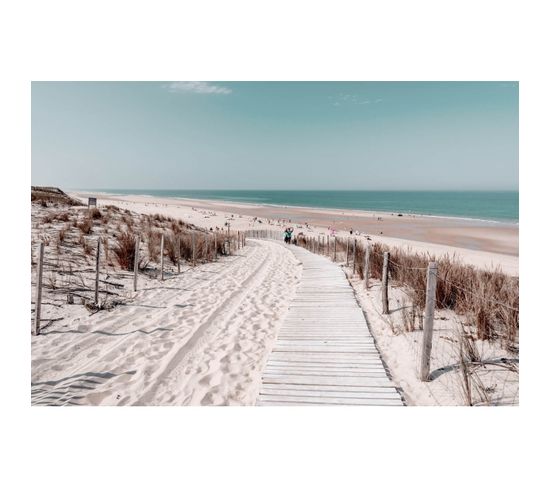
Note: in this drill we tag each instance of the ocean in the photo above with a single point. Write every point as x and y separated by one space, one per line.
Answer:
500 206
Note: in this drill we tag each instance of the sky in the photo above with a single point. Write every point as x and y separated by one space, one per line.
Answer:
276 135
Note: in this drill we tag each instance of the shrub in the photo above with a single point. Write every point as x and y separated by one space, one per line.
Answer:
94 213
62 234
153 244
125 250
61 216
86 247
86 226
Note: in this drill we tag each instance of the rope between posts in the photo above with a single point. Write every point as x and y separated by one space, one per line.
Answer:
407 267
479 296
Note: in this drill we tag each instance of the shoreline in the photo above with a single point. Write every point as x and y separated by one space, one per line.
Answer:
482 244
504 222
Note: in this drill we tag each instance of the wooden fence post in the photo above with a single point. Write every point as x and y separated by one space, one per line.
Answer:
162 257
178 251
335 248
193 247
354 249
431 285
38 298
367 252
385 304
215 246
96 289
347 252
136 263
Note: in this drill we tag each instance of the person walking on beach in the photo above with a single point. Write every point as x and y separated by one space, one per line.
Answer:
288 235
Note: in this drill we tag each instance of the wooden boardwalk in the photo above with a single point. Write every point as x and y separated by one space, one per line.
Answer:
324 353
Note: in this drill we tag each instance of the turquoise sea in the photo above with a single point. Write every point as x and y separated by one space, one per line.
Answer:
500 206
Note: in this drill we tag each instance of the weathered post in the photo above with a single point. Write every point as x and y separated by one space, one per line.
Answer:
96 289
215 247
136 263
367 253
178 251
162 257
38 298
385 304
354 254
228 237
431 285
335 248
347 252
193 247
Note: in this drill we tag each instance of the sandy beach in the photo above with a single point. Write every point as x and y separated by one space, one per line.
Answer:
483 244
202 335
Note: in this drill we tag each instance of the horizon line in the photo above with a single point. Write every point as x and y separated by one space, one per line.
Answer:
298 189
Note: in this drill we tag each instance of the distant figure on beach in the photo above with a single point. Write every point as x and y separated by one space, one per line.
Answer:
288 234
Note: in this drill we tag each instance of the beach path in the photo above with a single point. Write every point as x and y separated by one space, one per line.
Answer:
324 353
200 337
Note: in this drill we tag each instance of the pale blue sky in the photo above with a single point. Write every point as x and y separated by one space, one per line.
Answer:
280 135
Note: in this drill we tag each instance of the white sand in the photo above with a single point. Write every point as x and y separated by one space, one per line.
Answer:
198 338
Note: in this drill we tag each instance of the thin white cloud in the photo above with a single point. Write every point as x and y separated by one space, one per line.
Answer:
201 87
348 99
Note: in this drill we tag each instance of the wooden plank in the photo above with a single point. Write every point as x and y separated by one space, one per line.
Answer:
381 390
324 366
272 392
306 401
325 360
324 380
325 374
